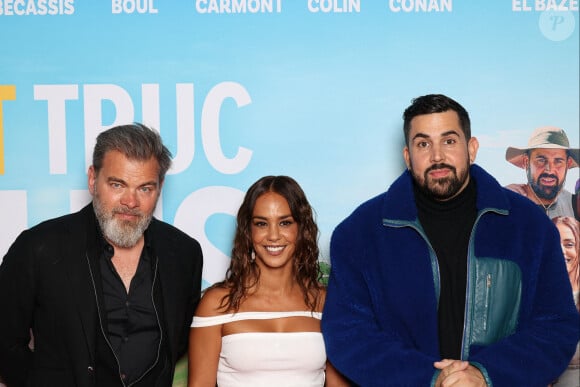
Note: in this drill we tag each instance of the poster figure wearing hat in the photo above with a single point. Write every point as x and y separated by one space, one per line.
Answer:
546 160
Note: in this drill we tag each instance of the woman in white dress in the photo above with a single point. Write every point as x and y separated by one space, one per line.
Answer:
569 229
261 325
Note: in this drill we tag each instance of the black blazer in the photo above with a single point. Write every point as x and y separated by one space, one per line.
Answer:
50 284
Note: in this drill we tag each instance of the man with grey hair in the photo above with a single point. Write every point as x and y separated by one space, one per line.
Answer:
546 160
109 292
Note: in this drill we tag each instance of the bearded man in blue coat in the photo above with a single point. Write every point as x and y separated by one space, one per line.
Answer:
447 278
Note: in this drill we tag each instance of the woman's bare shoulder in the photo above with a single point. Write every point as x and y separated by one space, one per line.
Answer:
210 302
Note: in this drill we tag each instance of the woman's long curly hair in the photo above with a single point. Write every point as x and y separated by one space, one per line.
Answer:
244 273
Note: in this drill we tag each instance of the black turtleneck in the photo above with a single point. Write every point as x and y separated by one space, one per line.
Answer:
448 226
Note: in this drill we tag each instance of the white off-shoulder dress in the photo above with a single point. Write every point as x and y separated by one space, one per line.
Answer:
279 359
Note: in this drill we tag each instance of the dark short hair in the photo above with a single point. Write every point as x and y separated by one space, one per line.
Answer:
435 103
136 141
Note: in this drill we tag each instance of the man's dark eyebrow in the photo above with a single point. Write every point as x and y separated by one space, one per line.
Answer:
153 183
114 179
450 133
111 179
447 133
562 159
420 135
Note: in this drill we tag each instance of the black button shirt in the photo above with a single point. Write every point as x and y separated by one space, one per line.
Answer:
131 318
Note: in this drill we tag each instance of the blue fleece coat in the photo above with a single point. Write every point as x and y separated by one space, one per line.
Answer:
380 317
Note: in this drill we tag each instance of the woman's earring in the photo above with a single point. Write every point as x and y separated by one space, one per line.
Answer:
253 256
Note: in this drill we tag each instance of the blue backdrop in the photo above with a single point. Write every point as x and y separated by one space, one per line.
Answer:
239 89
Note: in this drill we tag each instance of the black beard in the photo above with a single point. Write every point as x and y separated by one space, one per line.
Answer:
440 189
541 191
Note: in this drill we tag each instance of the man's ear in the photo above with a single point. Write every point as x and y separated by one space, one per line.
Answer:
92 179
526 161
472 148
407 157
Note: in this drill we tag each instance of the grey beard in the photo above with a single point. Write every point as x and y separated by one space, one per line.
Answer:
120 233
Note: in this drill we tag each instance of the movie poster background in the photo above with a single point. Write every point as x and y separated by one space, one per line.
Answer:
239 89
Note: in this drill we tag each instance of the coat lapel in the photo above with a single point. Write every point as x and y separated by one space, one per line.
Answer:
163 289
83 274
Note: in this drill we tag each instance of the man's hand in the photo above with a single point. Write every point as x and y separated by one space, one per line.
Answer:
458 373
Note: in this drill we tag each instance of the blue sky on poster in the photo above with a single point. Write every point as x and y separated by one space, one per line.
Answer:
327 91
